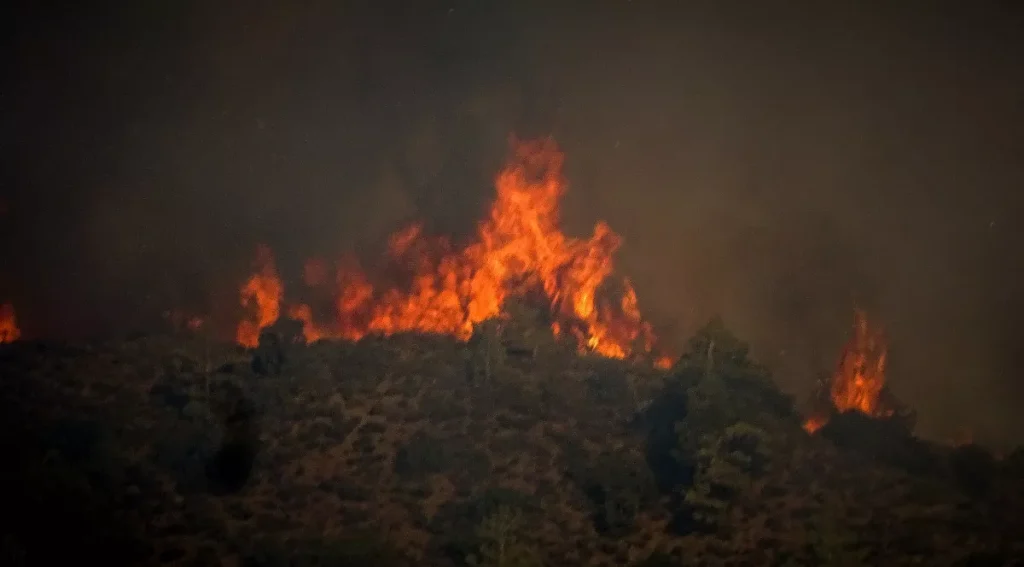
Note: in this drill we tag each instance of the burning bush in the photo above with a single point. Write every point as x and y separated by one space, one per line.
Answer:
859 381
275 344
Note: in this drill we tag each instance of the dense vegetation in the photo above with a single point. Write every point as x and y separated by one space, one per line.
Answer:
508 450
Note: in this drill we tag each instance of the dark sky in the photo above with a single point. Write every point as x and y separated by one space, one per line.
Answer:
777 165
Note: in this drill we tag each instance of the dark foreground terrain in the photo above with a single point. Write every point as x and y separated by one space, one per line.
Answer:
420 450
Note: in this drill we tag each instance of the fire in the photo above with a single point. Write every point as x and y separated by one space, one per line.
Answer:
181 321
9 331
262 294
814 423
859 381
860 376
518 250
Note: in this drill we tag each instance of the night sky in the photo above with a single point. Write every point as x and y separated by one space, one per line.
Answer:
777 166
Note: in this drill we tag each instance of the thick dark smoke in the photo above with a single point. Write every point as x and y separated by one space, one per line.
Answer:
776 166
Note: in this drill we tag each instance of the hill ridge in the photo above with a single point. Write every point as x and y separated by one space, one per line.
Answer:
420 449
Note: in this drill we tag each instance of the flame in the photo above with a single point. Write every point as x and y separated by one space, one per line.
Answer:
262 294
860 375
519 250
9 331
814 423
860 378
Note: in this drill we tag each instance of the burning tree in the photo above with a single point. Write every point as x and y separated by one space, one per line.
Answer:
858 383
518 251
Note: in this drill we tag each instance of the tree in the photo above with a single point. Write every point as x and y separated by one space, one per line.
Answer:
499 542
726 467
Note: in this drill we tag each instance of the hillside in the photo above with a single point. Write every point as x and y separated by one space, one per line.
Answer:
423 450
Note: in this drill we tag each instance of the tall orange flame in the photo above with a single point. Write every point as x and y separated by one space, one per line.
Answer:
860 375
518 250
9 331
262 294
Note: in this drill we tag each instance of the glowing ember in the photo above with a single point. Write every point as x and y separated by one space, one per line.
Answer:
9 331
814 423
518 250
860 377
181 321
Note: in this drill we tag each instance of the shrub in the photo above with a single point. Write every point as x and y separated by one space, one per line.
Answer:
276 344
607 382
973 468
726 467
354 550
423 455
486 351
659 559
660 419
885 440
746 385
499 542
618 487
527 328
457 522
713 386
831 543
1012 464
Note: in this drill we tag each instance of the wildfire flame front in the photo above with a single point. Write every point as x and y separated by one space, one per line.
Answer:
519 249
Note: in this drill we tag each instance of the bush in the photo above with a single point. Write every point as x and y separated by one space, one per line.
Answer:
660 419
659 559
726 468
77 439
607 383
424 455
351 551
831 543
887 441
715 397
618 488
973 468
744 384
276 345
457 522
486 352
499 542
1012 465
527 328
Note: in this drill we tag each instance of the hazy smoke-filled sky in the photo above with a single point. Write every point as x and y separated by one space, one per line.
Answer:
774 164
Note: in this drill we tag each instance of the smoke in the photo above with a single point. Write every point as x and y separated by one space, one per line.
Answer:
775 166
